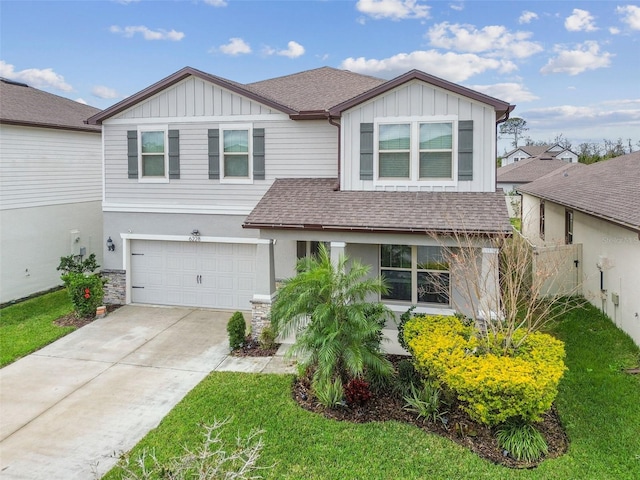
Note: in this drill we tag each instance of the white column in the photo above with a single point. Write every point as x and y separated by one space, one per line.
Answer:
489 302
337 251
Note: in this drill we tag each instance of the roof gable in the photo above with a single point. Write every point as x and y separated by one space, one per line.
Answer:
502 108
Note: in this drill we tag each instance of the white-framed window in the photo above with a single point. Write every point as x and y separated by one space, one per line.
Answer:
236 154
415 274
153 154
415 150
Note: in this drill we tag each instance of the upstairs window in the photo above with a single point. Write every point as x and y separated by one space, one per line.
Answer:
415 151
568 227
542 219
153 156
236 153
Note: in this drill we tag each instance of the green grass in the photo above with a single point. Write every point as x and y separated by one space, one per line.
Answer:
28 326
599 405
516 223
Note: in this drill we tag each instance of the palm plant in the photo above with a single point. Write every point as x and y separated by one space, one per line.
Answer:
338 331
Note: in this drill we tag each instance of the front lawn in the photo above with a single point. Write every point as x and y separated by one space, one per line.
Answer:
598 404
28 326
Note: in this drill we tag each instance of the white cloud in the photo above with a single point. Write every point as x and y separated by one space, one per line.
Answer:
82 101
455 67
38 78
147 33
509 92
393 9
630 15
580 21
494 39
527 16
236 46
101 91
583 57
458 7
216 3
614 30
583 115
294 50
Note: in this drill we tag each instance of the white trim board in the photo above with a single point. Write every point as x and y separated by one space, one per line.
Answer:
189 238
193 209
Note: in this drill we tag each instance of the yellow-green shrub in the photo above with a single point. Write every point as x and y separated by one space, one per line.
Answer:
493 386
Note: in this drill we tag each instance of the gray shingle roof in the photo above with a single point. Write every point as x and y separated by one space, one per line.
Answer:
313 203
531 169
24 105
537 150
609 189
315 90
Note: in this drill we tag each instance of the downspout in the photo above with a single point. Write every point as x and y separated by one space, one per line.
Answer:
330 118
498 122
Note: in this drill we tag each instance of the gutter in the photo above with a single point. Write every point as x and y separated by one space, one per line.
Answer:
332 122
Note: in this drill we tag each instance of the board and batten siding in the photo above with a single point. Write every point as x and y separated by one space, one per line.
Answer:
44 166
418 99
292 149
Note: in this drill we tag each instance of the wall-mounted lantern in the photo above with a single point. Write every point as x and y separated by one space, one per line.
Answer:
110 245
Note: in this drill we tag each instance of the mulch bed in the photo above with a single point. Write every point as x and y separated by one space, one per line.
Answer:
252 348
478 438
74 320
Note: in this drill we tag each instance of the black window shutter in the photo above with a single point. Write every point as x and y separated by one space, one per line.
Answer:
258 153
366 151
465 150
214 153
174 154
132 153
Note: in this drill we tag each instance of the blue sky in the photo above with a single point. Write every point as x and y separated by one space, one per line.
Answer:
572 68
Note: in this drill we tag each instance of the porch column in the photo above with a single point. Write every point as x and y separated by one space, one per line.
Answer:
265 288
489 302
337 250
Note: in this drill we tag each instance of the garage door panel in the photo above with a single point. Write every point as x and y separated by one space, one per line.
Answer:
215 275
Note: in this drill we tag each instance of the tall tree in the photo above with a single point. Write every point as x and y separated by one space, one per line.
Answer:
514 127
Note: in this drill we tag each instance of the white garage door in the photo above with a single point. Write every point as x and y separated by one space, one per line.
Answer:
195 274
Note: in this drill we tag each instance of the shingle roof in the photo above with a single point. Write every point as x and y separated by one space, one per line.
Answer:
608 189
315 90
316 93
537 150
531 169
24 105
314 203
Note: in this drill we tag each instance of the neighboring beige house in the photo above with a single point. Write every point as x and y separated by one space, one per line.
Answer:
597 206
50 187
548 151
213 188
511 177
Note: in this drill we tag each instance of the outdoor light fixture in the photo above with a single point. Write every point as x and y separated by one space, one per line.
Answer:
110 245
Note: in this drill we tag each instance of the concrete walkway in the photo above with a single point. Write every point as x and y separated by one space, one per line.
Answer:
68 408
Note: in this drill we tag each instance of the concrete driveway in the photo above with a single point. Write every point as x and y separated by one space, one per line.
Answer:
66 409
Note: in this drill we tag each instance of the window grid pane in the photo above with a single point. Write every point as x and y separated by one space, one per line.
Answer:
436 136
394 137
396 256
394 165
152 142
435 165
433 287
236 166
236 141
153 165
399 282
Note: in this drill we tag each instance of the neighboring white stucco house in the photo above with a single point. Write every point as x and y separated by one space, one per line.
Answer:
597 206
213 189
50 187
539 151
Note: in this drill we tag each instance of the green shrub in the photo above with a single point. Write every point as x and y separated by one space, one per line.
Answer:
406 316
85 292
236 328
425 401
267 339
522 440
493 387
329 394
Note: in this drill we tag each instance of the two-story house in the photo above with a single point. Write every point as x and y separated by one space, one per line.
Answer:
539 151
213 189
50 187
